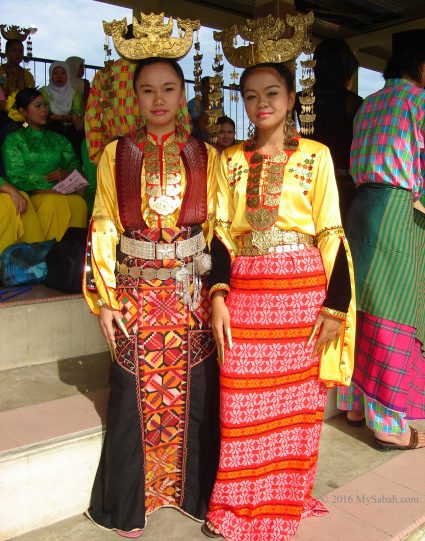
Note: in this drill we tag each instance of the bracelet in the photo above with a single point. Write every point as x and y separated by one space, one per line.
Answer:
218 287
101 302
333 313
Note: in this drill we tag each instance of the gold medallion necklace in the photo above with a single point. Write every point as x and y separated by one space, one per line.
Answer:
264 185
163 164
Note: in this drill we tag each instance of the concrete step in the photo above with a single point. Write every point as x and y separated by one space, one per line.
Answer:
371 496
44 325
51 418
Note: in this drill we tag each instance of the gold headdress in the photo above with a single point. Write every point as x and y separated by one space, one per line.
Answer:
14 32
152 37
21 34
271 40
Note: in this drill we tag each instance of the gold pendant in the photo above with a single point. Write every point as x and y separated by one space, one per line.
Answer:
164 205
261 218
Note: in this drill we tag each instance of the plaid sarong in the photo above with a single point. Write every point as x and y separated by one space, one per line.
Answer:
389 365
387 241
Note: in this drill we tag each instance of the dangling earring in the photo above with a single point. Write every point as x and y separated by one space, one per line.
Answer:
140 121
25 124
251 130
290 132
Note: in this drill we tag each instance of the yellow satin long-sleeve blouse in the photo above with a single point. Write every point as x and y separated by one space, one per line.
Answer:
107 227
309 204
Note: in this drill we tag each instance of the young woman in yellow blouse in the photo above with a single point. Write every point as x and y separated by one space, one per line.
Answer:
281 274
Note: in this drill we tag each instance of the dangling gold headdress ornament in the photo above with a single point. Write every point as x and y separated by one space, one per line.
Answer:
269 42
152 38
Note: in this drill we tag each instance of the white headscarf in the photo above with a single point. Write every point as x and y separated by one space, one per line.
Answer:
60 96
74 63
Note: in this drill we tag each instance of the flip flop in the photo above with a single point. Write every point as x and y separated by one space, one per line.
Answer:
132 535
388 446
206 530
357 422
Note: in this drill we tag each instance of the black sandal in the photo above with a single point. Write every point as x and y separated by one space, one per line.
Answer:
206 530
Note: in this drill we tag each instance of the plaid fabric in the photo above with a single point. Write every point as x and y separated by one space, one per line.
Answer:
388 138
389 261
378 417
390 367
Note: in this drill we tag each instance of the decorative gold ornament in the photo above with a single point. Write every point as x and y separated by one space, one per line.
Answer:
152 38
197 74
14 32
267 41
215 95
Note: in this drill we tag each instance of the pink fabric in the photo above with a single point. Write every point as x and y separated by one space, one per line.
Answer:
390 367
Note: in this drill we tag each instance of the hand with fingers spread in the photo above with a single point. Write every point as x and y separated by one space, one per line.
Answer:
220 324
330 329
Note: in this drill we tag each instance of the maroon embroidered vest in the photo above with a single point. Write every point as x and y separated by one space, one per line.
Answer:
128 175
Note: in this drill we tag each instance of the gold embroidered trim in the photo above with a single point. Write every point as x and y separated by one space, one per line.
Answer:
223 223
333 313
218 287
328 231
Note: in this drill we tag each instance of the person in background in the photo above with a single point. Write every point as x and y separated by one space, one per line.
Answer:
226 135
66 105
155 198
2 100
281 272
76 71
18 219
335 107
198 111
387 238
13 77
35 159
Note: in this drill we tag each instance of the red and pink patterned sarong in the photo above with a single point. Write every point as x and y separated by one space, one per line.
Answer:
272 403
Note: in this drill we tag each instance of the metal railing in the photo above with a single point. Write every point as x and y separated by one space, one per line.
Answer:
39 67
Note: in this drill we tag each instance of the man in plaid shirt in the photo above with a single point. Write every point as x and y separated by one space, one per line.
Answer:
386 233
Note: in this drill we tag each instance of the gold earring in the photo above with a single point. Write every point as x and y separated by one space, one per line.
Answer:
290 132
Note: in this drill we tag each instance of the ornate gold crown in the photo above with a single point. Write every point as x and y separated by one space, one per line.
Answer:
267 40
152 37
14 32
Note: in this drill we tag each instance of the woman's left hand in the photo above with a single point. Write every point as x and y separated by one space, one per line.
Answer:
330 329
57 175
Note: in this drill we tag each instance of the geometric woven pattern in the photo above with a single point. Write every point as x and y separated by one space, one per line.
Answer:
160 328
271 400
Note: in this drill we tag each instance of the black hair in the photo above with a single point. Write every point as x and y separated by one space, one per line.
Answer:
335 63
280 68
11 42
26 96
402 63
156 60
226 120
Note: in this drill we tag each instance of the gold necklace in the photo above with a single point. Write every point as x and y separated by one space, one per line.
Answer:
264 186
163 199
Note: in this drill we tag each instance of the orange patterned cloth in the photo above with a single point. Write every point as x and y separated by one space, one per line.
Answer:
272 401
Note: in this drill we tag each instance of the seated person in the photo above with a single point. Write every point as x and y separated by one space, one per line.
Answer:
35 159
76 70
66 105
18 219
12 76
226 135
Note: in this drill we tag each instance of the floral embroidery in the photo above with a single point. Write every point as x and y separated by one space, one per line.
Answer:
303 173
234 173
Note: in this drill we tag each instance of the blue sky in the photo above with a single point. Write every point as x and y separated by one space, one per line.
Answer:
74 28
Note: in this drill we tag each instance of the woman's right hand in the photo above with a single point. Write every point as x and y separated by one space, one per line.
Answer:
107 316
19 201
220 323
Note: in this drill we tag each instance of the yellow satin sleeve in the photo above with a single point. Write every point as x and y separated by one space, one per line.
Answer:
107 227
310 205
